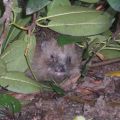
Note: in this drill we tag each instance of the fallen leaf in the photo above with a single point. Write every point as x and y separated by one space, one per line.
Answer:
113 74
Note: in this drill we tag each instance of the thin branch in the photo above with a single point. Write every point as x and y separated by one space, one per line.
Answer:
6 18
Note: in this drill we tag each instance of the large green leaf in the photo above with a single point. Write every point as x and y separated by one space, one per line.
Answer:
36 5
115 4
78 21
18 82
15 6
90 1
58 3
2 67
7 101
110 53
14 54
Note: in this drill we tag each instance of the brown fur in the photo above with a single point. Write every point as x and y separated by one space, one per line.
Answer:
54 62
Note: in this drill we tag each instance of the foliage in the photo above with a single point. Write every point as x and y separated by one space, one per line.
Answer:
115 4
9 105
18 82
83 24
57 89
36 5
80 20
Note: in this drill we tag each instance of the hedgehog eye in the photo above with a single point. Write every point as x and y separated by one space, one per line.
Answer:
68 60
53 58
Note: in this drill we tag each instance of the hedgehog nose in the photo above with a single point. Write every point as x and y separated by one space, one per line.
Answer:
60 68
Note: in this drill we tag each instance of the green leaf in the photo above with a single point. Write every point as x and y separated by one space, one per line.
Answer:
2 67
90 1
78 21
36 5
14 32
31 43
18 82
98 38
57 89
65 39
10 102
14 57
15 6
110 53
20 21
115 4
58 3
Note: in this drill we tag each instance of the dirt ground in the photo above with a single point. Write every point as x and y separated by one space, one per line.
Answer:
97 97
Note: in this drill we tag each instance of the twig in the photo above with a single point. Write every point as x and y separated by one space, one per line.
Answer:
105 62
6 18
33 25
26 54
